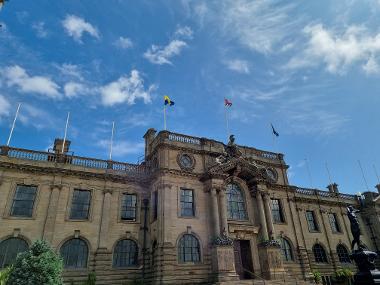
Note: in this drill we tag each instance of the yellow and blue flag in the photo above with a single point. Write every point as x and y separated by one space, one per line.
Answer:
167 101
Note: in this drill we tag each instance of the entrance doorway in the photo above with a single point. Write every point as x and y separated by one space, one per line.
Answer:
243 259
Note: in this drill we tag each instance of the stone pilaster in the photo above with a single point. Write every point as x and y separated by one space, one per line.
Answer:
214 212
223 211
51 213
268 213
105 218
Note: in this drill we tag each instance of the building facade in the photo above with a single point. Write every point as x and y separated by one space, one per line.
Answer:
196 211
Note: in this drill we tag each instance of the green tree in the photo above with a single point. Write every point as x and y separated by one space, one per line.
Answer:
39 265
4 275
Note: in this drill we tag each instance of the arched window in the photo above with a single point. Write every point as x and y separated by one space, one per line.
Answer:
235 203
125 253
319 254
74 253
189 249
286 250
9 249
343 255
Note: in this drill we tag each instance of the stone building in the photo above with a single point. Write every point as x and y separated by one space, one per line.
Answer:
196 211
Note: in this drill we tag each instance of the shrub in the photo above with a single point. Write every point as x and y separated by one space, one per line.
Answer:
317 276
4 275
343 274
39 265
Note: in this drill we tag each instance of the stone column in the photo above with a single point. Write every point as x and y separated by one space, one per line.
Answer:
214 212
49 226
104 225
263 222
268 214
223 211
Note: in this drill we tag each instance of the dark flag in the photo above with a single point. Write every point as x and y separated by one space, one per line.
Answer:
274 131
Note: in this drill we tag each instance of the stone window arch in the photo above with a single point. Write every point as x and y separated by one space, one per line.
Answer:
286 249
189 249
236 208
74 253
125 253
9 249
319 253
343 255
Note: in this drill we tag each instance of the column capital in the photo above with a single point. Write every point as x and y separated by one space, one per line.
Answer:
107 191
56 186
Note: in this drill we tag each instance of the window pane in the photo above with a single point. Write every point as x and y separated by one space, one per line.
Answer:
187 203
129 207
125 253
319 254
80 205
9 249
74 253
286 249
188 249
334 223
311 221
343 254
23 201
235 203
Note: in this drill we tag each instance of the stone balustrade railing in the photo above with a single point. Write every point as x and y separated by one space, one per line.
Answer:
184 139
324 194
41 156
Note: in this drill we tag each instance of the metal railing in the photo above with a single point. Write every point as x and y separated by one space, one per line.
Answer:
42 156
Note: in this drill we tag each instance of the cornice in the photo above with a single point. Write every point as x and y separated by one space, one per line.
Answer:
322 202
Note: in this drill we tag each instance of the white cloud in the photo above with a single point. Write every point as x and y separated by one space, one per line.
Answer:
76 27
122 148
126 89
36 117
4 106
17 76
161 55
338 51
71 70
75 89
184 32
123 43
371 67
40 29
238 65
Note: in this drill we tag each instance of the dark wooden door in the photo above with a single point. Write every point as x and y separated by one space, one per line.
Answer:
243 258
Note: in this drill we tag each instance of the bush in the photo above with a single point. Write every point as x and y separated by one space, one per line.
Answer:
344 274
4 275
317 276
39 265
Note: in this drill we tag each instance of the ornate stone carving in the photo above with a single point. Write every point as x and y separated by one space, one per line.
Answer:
270 243
186 161
223 240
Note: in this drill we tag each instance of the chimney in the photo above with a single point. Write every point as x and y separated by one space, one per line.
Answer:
333 188
378 188
149 137
58 146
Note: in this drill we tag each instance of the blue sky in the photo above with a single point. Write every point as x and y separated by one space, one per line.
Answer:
312 68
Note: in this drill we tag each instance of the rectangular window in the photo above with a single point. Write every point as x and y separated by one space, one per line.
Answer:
80 205
23 201
187 203
155 205
312 223
277 214
129 207
334 223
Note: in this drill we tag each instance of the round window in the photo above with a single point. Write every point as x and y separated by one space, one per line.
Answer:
186 161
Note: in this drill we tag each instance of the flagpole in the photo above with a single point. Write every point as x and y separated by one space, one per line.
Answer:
309 173
328 172
365 180
165 117
64 137
111 143
377 175
226 117
13 124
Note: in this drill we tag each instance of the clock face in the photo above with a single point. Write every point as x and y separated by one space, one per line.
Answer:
186 161
272 174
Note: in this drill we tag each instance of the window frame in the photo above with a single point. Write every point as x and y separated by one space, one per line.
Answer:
89 211
181 253
193 205
136 257
324 256
6 239
136 210
230 215
336 223
315 222
86 260
346 258
280 211
288 251
13 197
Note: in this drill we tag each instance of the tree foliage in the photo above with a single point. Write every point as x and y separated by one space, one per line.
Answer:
39 265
